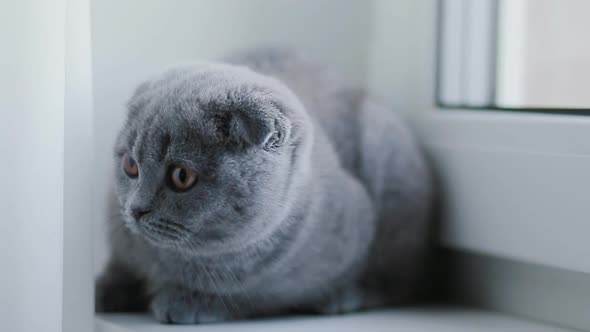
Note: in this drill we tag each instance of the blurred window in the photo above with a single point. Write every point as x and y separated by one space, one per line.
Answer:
514 54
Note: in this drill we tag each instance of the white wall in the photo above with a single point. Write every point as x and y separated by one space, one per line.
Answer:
78 295
401 58
133 39
31 168
45 143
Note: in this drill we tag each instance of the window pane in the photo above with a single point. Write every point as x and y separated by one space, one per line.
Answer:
514 54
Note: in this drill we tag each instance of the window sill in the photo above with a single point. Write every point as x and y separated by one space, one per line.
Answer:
507 177
439 319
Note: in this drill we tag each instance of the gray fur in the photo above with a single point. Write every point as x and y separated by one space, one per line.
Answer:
310 196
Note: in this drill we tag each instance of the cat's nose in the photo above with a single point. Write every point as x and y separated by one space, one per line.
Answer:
139 212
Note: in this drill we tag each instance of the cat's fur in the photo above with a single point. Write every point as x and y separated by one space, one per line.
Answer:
311 196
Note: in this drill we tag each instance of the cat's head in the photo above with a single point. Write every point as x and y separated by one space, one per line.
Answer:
204 161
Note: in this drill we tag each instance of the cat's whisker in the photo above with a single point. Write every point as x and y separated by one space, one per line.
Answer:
230 298
202 271
116 229
178 228
196 277
215 288
237 282
215 281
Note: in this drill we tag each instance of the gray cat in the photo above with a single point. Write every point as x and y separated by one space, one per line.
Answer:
261 186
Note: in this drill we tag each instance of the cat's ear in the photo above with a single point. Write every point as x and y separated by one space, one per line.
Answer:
143 87
265 128
136 103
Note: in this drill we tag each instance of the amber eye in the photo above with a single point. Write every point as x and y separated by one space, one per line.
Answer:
181 178
130 166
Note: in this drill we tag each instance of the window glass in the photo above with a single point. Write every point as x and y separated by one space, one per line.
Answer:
514 54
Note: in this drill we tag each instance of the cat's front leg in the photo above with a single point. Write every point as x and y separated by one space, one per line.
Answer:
178 305
349 299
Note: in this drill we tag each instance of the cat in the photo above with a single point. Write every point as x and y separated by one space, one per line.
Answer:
263 184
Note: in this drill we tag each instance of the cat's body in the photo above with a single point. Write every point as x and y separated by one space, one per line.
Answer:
322 204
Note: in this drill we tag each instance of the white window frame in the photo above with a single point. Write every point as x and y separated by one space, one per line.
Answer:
78 268
514 184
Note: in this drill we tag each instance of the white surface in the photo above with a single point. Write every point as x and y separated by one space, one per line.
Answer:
409 320
534 291
514 185
135 39
31 171
78 299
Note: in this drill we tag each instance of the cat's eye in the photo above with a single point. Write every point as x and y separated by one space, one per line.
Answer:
130 166
181 178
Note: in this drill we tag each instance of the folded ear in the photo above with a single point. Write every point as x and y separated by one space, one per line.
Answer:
265 127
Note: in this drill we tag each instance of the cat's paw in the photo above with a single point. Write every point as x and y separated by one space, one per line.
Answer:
179 306
350 299
347 300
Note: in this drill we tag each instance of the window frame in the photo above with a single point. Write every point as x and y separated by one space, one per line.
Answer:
497 66
521 151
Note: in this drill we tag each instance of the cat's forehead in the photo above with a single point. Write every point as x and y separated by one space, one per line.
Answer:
199 83
191 93
159 135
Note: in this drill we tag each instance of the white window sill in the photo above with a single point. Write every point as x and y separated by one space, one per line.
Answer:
439 319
